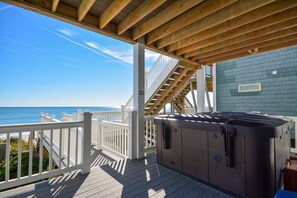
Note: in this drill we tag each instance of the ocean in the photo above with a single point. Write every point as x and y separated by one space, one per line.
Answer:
20 115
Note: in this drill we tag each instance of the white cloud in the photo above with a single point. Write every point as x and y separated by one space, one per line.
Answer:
66 32
126 56
5 7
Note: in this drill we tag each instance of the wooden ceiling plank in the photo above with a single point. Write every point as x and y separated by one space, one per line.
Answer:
55 5
253 46
113 9
164 52
205 38
260 50
250 17
234 10
139 13
84 8
68 14
164 16
196 13
253 41
248 36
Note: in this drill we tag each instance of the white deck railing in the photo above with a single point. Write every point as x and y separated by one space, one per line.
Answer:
149 134
47 133
114 137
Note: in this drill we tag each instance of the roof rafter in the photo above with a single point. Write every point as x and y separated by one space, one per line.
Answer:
196 13
251 35
253 46
246 53
164 16
206 38
253 41
234 10
246 18
55 5
113 9
141 11
83 8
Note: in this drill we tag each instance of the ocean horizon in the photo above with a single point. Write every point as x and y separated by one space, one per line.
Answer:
25 115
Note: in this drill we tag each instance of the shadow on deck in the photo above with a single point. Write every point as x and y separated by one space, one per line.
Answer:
111 177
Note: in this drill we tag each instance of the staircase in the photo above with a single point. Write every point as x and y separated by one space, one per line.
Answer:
171 85
162 82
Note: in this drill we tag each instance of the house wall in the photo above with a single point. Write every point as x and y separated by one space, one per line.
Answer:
279 92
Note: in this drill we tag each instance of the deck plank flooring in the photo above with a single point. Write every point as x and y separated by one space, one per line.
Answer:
119 178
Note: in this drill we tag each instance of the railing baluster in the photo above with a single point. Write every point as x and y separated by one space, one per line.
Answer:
68 149
30 153
51 151
60 149
7 157
76 146
41 153
19 155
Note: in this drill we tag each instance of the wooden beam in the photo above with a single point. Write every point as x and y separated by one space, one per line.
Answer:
228 13
172 55
139 13
113 9
260 50
84 8
247 43
68 14
185 80
196 13
54 5
250 17
252 46
166 92
243 37
170 12
205 38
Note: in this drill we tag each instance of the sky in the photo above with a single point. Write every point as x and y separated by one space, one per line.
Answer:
46 62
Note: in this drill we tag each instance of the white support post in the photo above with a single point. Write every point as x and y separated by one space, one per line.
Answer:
200 75
138 96
122 113
193 97
214 88
86 153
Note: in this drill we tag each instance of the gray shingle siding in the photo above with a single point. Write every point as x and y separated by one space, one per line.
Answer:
279 92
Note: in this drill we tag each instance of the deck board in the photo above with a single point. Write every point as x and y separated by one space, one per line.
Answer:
111 177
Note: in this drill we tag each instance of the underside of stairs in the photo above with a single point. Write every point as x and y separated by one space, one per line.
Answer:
174 82
180 97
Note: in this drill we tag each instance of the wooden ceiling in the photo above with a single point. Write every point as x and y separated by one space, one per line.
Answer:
195 31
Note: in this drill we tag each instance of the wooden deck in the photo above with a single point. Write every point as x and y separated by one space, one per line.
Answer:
119 178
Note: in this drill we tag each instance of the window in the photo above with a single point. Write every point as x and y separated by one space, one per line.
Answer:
249 87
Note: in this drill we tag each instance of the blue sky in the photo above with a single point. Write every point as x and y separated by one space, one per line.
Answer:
45 62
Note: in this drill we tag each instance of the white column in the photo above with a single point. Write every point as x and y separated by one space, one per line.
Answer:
214 88
200 75
86 153
138 96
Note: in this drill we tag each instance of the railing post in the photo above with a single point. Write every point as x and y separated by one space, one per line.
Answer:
74 117
79 113
123 113
99 134
86 153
